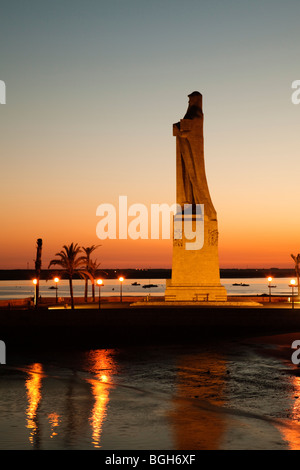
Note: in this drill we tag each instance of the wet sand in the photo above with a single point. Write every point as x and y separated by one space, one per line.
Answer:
217 394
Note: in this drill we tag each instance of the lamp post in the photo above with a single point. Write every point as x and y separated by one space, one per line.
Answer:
100 283
292 285
35 281
269 280
121 279
56 280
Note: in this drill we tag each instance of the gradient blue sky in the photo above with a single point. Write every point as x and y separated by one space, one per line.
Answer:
93 88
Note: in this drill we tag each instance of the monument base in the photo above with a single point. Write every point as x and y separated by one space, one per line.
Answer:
194 293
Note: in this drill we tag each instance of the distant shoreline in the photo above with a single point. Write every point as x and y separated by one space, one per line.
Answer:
129 273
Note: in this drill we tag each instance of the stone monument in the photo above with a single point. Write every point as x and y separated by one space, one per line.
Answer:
195 270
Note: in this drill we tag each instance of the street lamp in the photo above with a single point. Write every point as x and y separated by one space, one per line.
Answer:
100 283
269 280
121 279
56 280
35 281
292 285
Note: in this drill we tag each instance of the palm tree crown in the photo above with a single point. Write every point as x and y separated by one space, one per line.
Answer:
87 258
71 263
93 269
68 259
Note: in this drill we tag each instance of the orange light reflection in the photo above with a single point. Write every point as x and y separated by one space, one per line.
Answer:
54 419
100 361
291 432
33 385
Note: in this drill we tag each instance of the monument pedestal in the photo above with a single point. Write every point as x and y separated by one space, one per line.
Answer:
194 293
195 272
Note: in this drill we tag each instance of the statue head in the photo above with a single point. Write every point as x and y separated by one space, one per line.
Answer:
195 106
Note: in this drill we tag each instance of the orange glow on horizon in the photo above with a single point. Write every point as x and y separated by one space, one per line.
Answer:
239 247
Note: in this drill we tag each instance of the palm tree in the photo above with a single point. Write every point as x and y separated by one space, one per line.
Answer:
87 258
94 269
71 264
296 259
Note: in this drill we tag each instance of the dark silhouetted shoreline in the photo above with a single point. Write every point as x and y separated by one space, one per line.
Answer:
129 273
116 325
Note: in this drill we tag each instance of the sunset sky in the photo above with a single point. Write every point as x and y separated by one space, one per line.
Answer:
93 89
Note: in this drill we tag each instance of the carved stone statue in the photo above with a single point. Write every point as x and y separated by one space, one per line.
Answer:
195 272
192 186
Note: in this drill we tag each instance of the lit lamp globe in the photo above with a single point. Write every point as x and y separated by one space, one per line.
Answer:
99 284
121 279
269 280
292 285
35 281
56 280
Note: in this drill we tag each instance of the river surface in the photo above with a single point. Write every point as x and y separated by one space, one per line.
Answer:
216 395
111 287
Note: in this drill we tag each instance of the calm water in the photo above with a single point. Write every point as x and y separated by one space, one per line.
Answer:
23 289
214 396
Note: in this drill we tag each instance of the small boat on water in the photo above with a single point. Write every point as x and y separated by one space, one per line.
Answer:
147 286
135 284
240 284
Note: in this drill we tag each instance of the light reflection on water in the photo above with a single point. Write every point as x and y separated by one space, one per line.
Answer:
157 398
33 385
54 420
291 433
103 366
